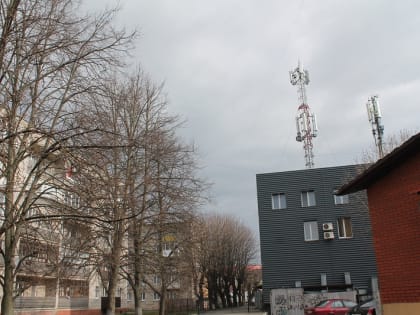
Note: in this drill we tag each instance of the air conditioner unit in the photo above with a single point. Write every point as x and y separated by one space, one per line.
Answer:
329 235
327 226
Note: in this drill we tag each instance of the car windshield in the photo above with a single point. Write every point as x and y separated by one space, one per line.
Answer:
322 303
349 303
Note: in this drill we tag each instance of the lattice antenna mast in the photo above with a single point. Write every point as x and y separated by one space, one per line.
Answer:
305 120
374 115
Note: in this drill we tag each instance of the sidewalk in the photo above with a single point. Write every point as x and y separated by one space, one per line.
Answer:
241 310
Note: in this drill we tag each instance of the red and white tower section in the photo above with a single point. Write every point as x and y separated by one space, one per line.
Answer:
305 119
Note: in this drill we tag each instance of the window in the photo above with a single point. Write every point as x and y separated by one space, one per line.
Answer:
169 249
71 200
129 295
311 231
278 201
2 205
337 304
156 296
168 245
96 291
173 277
308 198
143 296
341 200
156 279
344 228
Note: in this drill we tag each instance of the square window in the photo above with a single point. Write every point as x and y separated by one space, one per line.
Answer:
156 296
278 201
308 198
311 231
341 200
345 229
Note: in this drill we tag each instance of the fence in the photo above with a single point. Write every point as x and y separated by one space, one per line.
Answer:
48 302
185 305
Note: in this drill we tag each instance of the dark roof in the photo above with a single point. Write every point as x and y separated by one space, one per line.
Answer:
382 166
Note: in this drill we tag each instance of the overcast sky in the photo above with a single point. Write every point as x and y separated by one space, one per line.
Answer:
226 63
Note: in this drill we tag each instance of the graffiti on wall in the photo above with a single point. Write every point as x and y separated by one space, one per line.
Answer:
287 301
293 301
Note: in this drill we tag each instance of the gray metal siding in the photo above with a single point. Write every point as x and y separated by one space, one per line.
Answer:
286 257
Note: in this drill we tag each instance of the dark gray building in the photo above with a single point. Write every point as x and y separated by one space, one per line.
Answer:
310 237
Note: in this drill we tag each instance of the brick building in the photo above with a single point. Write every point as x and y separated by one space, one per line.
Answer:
393 188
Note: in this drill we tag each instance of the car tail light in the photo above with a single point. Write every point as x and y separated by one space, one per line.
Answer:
370 312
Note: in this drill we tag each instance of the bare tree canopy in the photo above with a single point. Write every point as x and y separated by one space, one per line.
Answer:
226 249
51 60
92 171
390 142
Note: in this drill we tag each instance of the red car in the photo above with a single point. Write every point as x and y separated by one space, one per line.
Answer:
331 307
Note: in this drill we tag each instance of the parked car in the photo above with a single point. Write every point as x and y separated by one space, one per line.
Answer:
331 307
367 308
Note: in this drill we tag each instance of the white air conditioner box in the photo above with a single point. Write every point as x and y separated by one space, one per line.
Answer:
327 226
328 235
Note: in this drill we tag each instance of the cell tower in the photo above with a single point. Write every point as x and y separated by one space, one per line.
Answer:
374 115
305 120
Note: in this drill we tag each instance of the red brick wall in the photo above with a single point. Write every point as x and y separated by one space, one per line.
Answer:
394 204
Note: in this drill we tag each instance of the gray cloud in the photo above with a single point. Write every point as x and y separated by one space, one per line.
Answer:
225 65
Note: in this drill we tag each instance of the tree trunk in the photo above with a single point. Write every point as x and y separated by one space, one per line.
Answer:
138 288
7 306
114 269
138 307
162 301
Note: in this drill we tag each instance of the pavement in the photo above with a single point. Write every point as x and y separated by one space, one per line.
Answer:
241 310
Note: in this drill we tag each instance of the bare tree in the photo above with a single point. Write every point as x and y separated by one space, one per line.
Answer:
227 247
148 106
371 154
144 185
176 195
112 173
50 60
